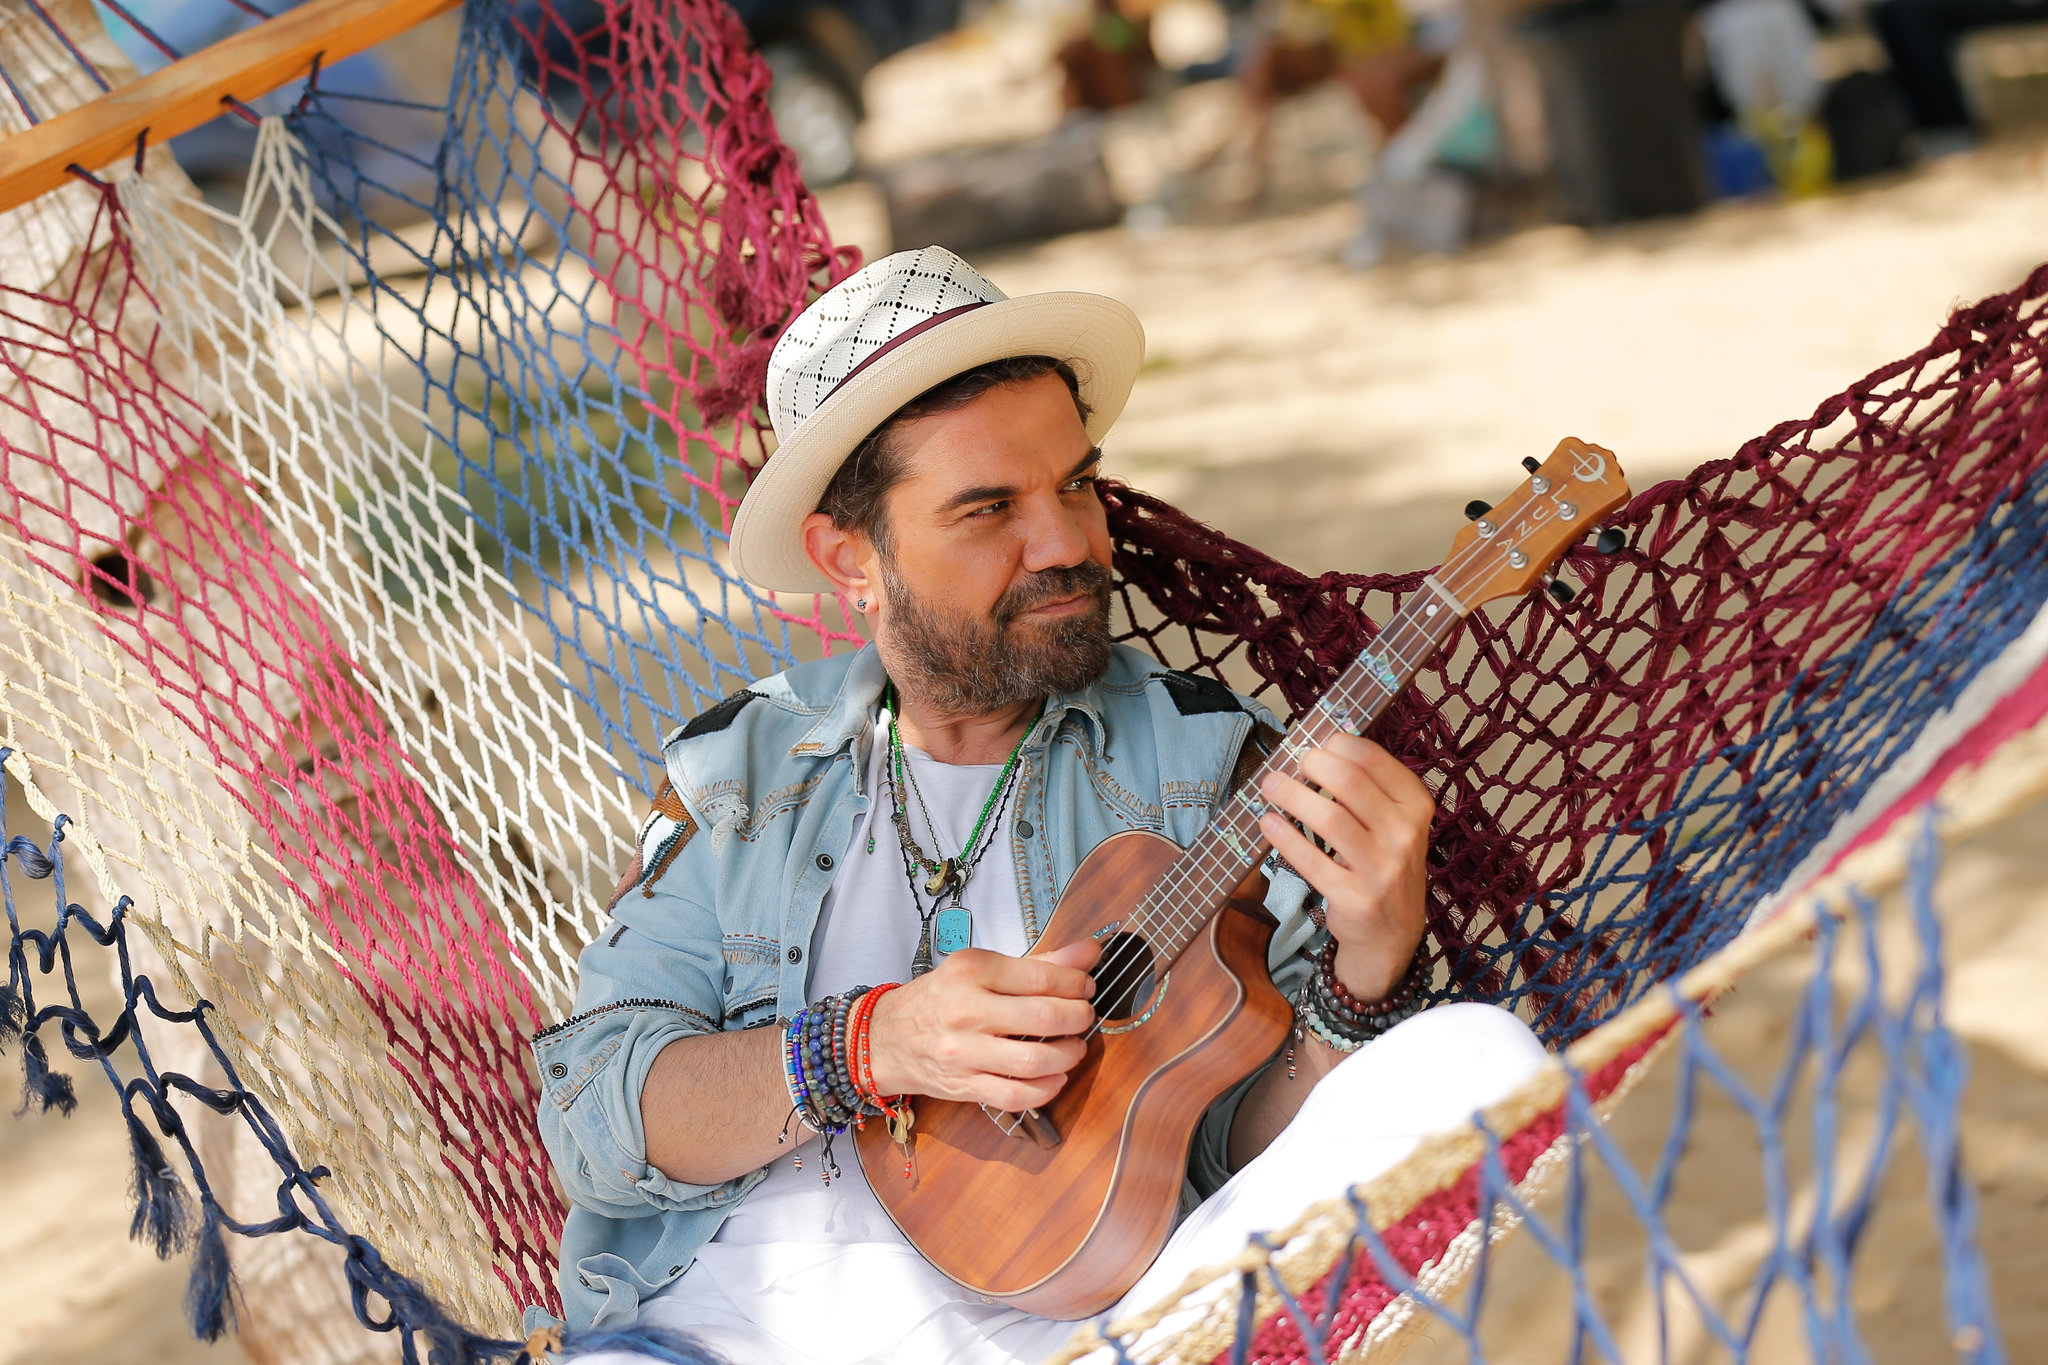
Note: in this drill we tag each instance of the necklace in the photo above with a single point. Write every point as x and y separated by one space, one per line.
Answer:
943 876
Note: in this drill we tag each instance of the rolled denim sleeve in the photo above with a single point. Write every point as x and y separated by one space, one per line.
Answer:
640 987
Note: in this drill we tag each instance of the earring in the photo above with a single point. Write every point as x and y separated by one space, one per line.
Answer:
860 604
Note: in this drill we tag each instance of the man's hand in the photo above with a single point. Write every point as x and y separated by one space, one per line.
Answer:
969 1029
1375 814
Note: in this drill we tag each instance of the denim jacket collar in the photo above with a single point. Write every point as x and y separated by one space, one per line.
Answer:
719 933
850 717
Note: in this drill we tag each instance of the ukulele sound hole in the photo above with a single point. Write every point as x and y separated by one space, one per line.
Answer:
1125 978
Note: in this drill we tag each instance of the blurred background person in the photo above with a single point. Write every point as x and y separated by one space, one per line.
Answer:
1762 58
1109 64
1920 37
1388 53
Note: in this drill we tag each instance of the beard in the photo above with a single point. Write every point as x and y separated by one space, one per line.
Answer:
966 665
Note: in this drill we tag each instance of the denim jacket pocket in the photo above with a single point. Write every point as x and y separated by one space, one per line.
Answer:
753 970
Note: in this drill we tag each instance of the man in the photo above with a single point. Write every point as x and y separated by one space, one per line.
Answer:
908 814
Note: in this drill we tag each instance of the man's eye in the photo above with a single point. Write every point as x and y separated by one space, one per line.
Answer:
1085 481
989 508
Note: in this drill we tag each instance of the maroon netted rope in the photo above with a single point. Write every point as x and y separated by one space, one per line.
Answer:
1621 779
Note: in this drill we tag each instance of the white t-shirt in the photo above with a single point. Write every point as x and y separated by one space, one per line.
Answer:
802 1272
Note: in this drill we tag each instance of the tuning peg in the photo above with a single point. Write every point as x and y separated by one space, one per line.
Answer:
1531 463
1562 591
1611 539
1476 509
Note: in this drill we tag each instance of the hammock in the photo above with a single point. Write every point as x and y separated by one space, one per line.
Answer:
359 543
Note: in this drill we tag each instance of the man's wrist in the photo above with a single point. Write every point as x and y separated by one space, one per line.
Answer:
1328 1011
1368 971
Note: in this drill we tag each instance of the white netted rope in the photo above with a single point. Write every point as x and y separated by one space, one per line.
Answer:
153 821
304 390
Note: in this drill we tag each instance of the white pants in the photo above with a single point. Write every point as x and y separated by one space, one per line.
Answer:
1426 1075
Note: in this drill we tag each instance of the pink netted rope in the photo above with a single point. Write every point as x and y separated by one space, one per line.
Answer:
699 289
124 496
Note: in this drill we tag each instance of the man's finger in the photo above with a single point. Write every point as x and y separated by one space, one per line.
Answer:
1039 1016
1393 777
1316 867
1061 972
1010 1096
1081 953
1025 1060
1330 818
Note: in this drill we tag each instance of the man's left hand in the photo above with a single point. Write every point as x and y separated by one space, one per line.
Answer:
1374 815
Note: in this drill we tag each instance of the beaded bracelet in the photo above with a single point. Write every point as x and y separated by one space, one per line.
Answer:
862 1051
828 1090
1324 1009
895 1108
828 1115
828 1068
1411 983
794 1077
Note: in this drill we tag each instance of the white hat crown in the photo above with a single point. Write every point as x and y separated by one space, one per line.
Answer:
854 320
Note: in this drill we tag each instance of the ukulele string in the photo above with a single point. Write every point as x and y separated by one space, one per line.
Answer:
1135 954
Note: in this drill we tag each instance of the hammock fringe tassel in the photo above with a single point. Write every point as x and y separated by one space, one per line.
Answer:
384 1299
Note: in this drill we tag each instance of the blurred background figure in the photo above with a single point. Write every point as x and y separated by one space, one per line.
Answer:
1761 54
1388 53
820 51
1109 64
1920 37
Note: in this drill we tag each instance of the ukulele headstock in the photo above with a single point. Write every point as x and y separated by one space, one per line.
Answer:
1509 548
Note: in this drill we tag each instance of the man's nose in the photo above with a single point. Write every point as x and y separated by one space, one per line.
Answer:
1055 539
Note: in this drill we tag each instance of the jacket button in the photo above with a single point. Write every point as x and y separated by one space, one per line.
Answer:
558 1070
795 955
824 862
1024 829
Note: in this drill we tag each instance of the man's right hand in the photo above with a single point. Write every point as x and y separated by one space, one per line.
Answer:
987 1029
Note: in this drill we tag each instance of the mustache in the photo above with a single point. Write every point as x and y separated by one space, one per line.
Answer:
1053 585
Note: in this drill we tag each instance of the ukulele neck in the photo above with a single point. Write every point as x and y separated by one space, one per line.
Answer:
1194 890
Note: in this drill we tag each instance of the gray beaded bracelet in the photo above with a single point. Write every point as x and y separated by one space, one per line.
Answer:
1324 1010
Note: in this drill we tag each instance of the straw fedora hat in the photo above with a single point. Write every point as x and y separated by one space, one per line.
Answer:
878 339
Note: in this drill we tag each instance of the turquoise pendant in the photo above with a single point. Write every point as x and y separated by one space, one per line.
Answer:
954 930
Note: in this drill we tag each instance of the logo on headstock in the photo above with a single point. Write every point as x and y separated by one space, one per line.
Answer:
1589 466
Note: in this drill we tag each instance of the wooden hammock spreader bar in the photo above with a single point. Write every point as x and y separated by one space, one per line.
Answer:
194 89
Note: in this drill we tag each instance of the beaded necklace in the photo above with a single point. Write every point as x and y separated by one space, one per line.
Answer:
943 876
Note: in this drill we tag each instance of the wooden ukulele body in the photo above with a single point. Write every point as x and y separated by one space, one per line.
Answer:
1063 1222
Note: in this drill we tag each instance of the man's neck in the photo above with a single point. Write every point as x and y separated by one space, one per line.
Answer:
986 738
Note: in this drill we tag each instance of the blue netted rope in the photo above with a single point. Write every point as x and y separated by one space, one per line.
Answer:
1814 1243
170 1218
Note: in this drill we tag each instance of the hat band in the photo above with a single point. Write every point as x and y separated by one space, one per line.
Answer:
893 342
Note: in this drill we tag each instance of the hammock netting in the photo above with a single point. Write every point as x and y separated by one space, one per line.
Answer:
359 543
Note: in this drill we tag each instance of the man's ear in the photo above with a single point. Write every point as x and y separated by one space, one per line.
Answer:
841 556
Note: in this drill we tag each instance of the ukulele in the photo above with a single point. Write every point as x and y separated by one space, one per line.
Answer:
1059 1210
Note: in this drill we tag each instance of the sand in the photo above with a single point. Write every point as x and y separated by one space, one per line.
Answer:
1339 420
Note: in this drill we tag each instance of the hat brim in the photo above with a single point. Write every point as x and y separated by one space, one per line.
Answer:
1099 337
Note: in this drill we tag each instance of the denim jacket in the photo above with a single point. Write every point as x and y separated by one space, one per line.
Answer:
711 928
